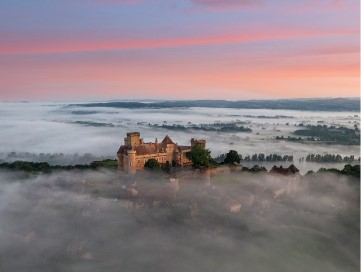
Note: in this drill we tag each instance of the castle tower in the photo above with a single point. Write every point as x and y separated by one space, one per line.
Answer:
201 143
131 165
133 139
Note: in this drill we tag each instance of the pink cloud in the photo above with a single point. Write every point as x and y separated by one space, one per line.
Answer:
44 45
283 73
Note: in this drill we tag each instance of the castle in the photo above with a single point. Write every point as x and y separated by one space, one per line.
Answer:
135 153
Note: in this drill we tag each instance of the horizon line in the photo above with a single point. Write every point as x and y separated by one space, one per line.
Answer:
140 100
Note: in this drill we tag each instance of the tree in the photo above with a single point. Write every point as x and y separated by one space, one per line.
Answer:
254 157
232 157
261 157
152 164
352 170
199 156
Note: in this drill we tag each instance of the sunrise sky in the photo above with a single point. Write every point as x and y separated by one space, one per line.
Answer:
179 49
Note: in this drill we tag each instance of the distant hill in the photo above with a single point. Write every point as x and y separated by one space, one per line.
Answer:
326 104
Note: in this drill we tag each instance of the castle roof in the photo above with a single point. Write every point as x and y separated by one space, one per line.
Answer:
152 148
167 140
122 148
149 148
184 147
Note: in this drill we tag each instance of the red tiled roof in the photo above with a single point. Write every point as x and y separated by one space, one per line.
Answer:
149 148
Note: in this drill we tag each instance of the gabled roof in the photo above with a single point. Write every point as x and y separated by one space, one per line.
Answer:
167 140
122 148
149 148
144 149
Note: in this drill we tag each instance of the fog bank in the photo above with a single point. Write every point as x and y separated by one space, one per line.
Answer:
55 223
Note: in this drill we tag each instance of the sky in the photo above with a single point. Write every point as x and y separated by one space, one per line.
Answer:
179 49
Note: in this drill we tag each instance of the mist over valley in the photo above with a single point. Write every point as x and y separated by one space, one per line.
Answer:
97 133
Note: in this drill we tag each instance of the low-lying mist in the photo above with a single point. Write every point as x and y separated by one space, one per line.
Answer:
66 221
59 128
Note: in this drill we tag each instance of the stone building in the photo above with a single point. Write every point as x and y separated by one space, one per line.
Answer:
135 153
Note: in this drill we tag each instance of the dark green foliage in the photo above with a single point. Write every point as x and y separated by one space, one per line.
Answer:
93 124
255 169
152 164
54 158
199 156
294 139
331 134
43 167
222 127
259 158
27 166
349 170
110 164
330 158
232 157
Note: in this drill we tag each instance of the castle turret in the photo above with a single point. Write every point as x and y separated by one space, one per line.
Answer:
200 142
133 139
131 163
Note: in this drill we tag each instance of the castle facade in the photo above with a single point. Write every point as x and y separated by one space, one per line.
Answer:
134 153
